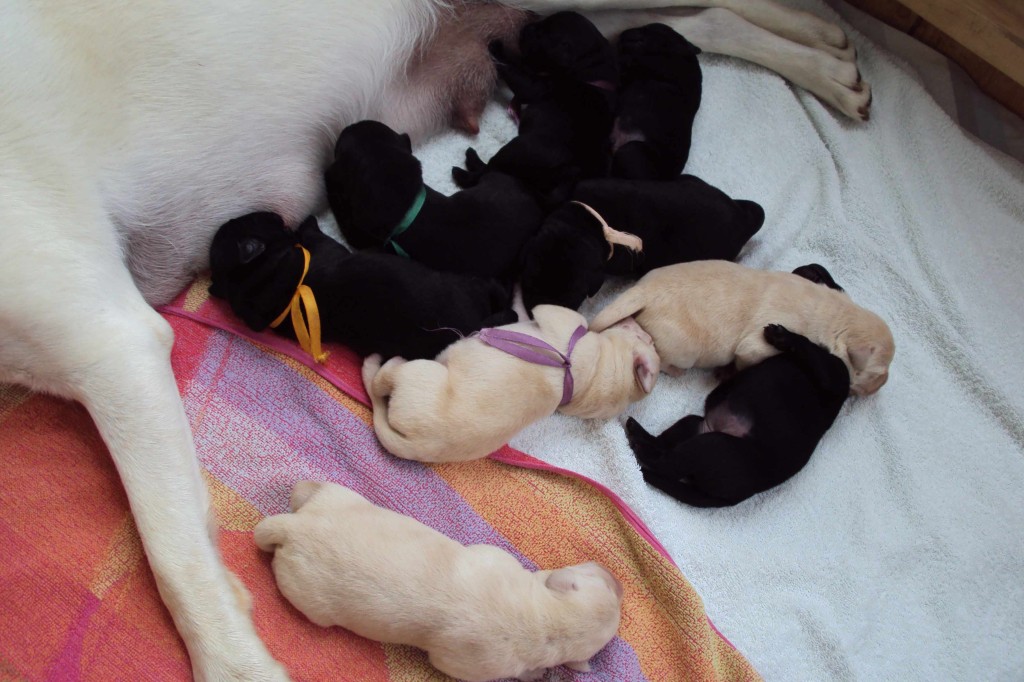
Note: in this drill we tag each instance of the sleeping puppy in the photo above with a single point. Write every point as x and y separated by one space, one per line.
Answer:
474 397
711 313
371 302
376 191
564 84
759 427
478 613
658 100
679 220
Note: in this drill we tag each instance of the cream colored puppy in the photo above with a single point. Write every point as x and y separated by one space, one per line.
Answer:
711 313
473 397
476 611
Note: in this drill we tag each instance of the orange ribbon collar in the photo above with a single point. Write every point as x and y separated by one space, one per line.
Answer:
308 335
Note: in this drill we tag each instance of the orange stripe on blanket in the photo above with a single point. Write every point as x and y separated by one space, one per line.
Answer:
556 521
410 665
123 555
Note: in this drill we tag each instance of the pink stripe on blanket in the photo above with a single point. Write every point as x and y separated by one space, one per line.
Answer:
67 666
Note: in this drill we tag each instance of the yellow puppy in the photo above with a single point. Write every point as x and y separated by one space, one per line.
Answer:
474 397
476 611
711 313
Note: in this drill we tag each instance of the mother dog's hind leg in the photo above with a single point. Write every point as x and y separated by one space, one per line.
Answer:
72 323
734 29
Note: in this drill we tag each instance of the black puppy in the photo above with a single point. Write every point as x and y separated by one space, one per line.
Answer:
564 83
759 427
678 220
658 100
376 191
371 302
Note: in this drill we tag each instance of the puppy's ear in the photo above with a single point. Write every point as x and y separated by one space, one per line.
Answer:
310 224
562 580
646 371
407 141
249 249
581 666
861 355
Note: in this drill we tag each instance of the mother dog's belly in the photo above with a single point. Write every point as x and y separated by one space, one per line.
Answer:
168 209
222 110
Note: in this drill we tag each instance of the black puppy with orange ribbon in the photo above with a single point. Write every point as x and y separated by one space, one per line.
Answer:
307 285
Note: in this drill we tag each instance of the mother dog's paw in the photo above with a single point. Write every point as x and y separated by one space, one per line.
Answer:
835 81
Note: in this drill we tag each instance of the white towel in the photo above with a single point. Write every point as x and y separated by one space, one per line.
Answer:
898 552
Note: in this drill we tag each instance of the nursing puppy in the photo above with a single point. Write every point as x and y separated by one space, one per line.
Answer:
376 191
711 313
474 397
679 220
371 302
563 85
658 99
759 427
476 611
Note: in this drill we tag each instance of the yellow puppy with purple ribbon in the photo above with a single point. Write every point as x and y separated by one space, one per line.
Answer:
484 389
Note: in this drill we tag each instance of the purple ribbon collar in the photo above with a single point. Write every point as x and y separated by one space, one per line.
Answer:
532 349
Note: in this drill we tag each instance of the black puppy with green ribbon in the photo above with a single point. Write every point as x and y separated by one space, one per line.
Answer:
376 191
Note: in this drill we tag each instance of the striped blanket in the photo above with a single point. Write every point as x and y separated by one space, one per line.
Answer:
77 601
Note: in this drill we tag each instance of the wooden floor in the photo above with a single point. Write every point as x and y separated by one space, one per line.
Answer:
985 37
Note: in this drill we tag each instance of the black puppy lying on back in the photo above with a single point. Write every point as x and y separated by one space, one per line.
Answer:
658 100
759 427
564 81
678 220
371 302
376 191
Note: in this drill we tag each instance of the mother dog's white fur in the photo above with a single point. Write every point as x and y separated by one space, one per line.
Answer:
131 129
476 611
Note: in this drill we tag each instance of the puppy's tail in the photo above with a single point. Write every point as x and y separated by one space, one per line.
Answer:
626 305
271 532
371 367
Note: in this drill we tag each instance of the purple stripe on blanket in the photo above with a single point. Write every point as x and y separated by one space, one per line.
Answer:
279 429
312 437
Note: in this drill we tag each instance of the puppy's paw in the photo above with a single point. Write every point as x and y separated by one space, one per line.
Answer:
779 337
817 274
473 161
532 675
641 442
460 176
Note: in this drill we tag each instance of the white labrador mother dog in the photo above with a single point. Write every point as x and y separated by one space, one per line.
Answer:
131 129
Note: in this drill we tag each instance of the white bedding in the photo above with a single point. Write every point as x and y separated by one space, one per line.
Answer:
898 552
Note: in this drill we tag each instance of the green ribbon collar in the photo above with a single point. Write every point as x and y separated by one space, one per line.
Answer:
408 219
